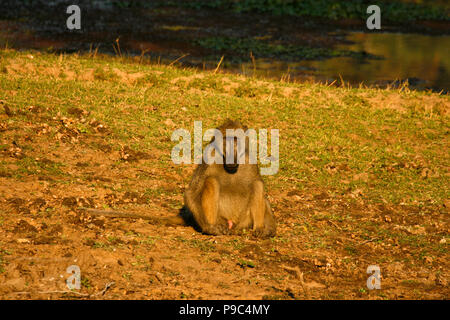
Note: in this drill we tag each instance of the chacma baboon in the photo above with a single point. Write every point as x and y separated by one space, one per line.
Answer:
222 197
229 196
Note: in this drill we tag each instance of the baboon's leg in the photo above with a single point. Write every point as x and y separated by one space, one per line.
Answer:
210 206
270 226
257 207
210 201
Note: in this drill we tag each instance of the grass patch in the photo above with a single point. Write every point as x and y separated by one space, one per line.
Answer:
393 11
246 264
374 145
205 246
265 49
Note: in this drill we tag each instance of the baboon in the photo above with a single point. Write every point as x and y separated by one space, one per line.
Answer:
229 197
221 198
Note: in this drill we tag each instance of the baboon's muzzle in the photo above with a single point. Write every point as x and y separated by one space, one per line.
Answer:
231 168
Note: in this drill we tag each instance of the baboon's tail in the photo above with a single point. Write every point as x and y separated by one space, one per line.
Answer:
169 221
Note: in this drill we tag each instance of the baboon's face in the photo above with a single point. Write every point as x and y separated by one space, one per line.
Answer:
233 148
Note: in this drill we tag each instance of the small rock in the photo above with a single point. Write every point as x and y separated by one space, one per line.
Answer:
416 230
23 241
315 285
440 280
428 259
169 123
361 176
16 284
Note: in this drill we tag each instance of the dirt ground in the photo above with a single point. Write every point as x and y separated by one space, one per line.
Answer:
43 233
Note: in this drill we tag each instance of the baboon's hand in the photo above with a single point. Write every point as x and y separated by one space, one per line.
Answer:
258 232
216 230
224 228
263 233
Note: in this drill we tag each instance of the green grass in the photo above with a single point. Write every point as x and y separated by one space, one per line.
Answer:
200 244
242 47
362 144
3 252
244 263
393 11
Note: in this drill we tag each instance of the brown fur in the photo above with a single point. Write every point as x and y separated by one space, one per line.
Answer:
222 202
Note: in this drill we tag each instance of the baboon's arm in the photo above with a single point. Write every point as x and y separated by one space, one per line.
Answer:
205 208
210 201
257 206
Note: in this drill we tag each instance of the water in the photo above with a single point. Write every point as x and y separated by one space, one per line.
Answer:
423 60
